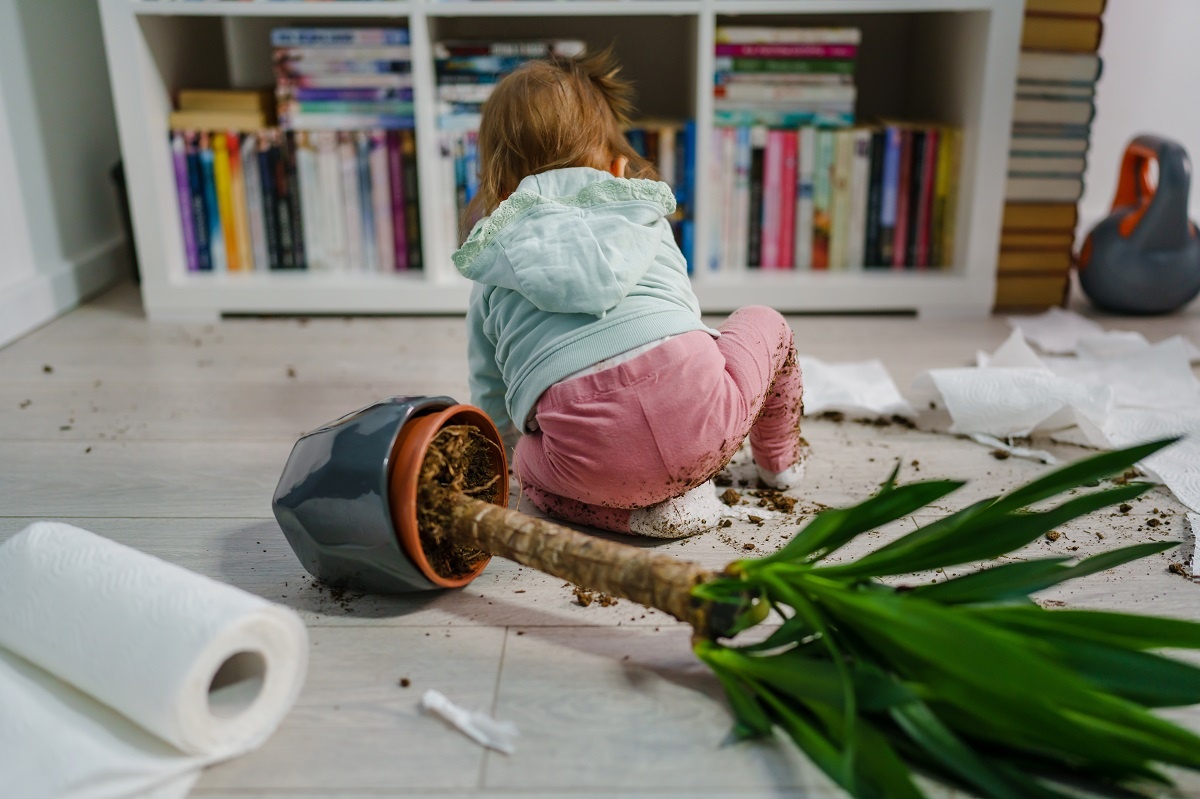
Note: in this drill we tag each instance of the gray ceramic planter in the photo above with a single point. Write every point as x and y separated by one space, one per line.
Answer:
332 499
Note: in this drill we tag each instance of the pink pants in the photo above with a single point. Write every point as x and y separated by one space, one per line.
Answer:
658 425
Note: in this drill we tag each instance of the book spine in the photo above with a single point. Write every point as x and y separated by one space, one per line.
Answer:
822 198
184 198
860 182
254 207
743 159
666 160
752 34
351 213
806 166
396 190
266 172
295 212
890 200
286 84
381 202
308 189
758 145
925 209
916 173
412 198
339 37
380 95
798 66
844 52
216 239
793 95
340 122
383 108
872 255
283 208
327 55
366 205
787 210
222 182
950 215
840 208
237 194
782 119
903 187
721 169
200 226
332 217
293 69
772 188
483 64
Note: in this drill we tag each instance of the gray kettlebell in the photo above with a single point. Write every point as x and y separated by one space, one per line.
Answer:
1144 258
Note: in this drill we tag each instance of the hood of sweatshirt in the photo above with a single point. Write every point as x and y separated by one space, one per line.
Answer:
573 240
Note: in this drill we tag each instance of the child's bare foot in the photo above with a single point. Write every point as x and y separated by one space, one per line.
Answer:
695 512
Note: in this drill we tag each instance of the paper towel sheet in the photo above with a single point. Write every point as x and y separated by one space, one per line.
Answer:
1062 332
862 388
1117 392
122 675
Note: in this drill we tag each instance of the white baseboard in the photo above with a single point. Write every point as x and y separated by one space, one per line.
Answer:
47 295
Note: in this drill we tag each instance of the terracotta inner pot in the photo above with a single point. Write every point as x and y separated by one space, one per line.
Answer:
408 455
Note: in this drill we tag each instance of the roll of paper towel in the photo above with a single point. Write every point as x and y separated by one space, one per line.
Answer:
122 675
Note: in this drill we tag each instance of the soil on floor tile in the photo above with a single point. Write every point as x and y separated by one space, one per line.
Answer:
458 459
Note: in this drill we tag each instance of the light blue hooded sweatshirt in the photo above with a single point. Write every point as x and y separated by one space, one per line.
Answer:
575 266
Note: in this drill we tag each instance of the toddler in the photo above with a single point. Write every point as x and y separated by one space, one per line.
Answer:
586 344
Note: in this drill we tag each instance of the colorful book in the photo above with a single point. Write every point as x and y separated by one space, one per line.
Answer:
903 200
758 146
361 95
295 213
381 201
339 37
212 211
237 195
1061 33
333 220
806 167
223 183
396 196
1074 7
774 118
915 194
1040 216
823 199
366 207
798 66
925 199
412 198
723 175
252 178
950 216
266 173
890 198
769 257
743 141
308 183
351 210
872 253
179 158
860 175
200 223
839 210
750 34
787 211
788 51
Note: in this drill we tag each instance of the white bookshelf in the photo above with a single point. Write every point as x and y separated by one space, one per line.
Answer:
952 61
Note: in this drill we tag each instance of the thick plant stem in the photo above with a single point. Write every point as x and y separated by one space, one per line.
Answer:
648 578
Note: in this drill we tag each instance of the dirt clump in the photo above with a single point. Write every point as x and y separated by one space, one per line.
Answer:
774 500
459 460
584 597
730 497
1001 455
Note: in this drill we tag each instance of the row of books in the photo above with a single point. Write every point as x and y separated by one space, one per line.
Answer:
337 79
1052 114
325 201
834 199
784 77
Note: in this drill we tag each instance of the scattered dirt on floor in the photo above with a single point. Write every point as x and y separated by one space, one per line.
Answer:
1053 535
774 500
730 497
1178 568
584 597
1001 454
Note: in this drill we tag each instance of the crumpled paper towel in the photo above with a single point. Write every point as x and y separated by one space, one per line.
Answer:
122 675
864 387
1118 391
480 727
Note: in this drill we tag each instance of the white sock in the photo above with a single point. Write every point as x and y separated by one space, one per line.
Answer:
781 481
696 511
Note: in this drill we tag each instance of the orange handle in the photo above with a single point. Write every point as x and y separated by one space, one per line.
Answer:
1134 189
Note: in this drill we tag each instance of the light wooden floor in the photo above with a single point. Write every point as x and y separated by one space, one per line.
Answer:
171 438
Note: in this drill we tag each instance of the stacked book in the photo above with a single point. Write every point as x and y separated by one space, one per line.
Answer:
784 77
343 78
812 198
467 72
257 198
1052 116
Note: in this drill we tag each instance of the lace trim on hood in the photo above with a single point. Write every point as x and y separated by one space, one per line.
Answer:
604 191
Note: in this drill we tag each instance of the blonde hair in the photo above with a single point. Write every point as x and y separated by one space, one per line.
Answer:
550 114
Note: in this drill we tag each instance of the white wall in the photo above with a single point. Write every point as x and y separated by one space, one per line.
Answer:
1150 84
62 237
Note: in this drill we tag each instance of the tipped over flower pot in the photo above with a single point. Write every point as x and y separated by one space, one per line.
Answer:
966 680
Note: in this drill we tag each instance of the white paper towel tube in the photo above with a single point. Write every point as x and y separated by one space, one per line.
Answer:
206 667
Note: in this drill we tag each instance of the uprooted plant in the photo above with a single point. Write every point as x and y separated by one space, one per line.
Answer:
967 680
